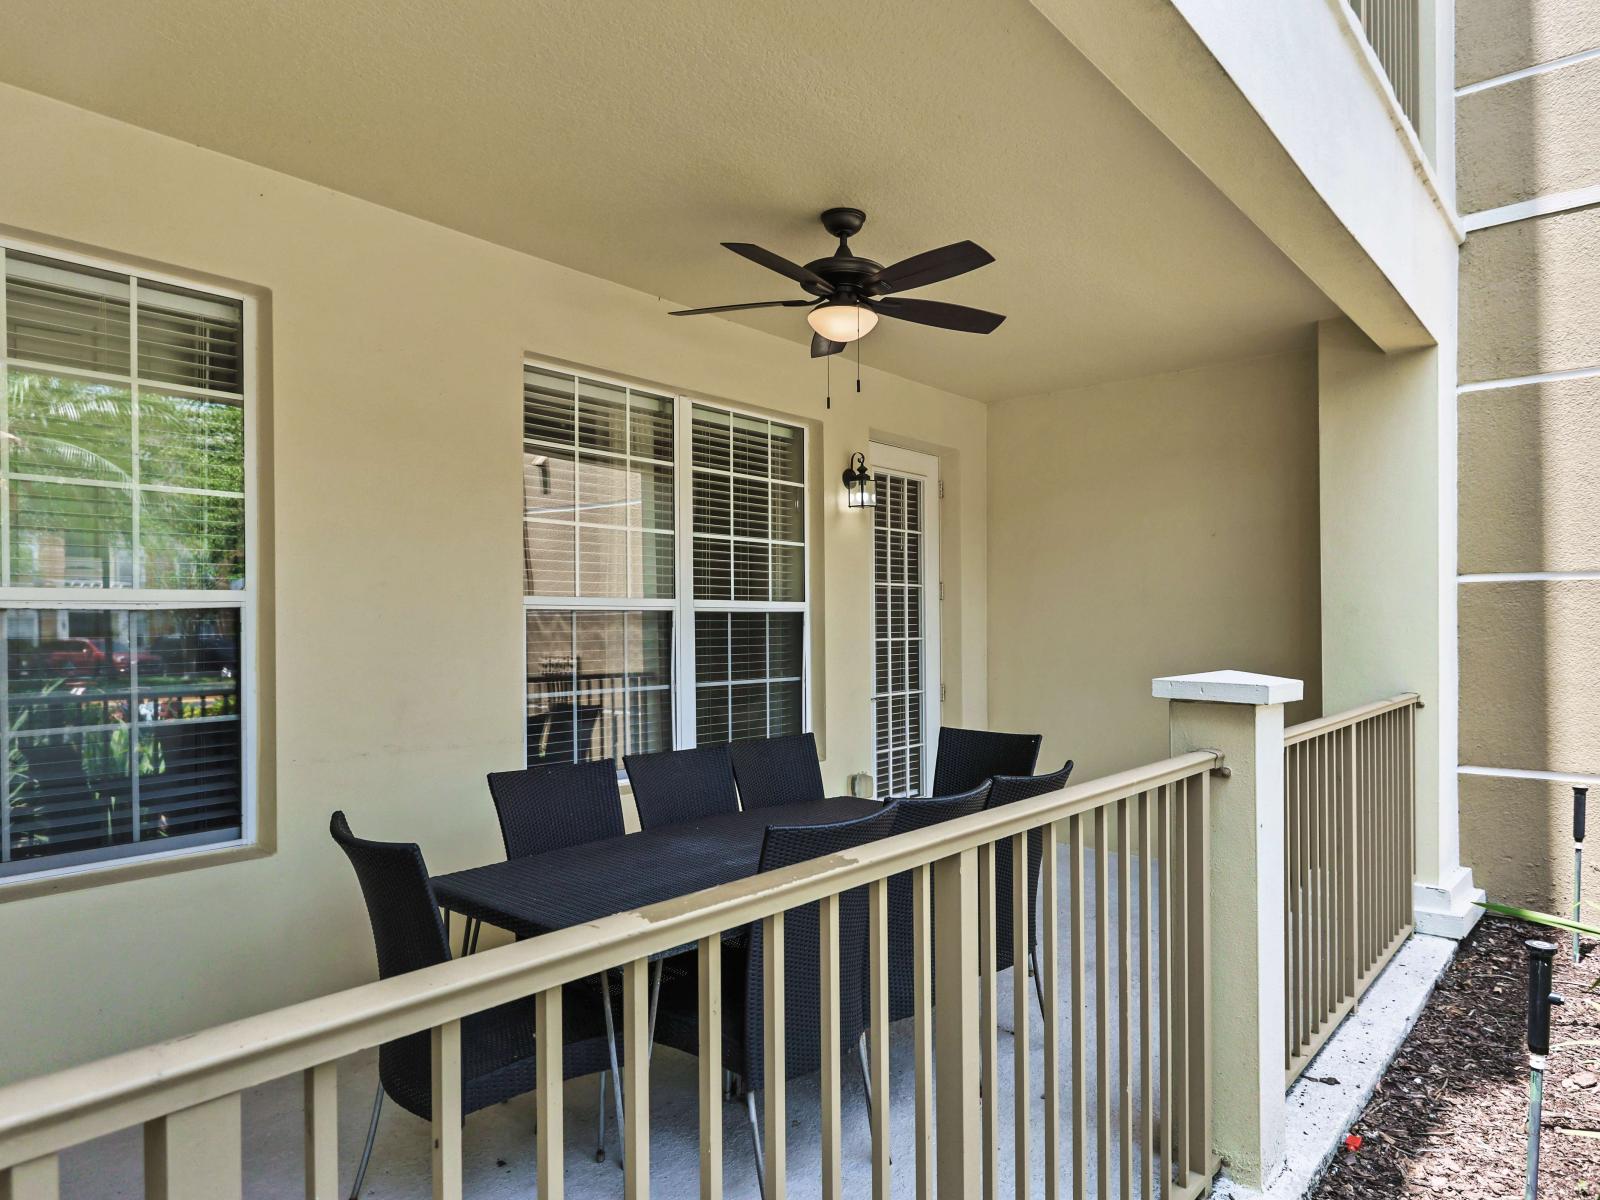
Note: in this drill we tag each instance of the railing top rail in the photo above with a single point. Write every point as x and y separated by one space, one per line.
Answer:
1353 716
47 1114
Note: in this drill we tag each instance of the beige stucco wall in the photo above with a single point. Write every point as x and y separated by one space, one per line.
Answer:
396 354
1528 138
1530 305
1150 527
1494 37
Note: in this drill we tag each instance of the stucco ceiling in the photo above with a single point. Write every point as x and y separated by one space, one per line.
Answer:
627 139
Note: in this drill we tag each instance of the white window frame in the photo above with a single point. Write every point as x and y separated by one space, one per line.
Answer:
682 604
136 599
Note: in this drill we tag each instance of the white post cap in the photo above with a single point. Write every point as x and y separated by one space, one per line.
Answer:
1228 687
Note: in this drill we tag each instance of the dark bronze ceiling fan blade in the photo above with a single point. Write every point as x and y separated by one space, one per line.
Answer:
776 262
929 267
939 314
821 347
695 312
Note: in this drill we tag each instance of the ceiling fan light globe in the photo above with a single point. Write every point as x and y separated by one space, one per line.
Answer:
842 322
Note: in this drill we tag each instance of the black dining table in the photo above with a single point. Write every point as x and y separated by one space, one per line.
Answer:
540 893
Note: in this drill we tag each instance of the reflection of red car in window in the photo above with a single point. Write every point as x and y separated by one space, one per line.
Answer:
88 656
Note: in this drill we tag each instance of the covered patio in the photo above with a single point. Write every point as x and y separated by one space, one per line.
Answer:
469 499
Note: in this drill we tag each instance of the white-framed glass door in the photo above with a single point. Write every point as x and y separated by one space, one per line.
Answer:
905 619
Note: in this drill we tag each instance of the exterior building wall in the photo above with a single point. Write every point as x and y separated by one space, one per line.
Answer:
1153 526
1528 418
393 488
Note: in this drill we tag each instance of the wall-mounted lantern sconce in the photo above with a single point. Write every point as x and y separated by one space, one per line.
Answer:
859 489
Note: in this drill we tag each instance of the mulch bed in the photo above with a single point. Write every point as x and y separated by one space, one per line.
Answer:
1449 1117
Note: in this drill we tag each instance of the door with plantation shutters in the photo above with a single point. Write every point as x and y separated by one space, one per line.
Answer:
905 619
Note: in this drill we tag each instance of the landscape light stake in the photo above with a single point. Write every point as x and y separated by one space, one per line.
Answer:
1580 802
1541 961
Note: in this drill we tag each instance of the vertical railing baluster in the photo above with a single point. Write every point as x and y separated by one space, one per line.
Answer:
1288 907
1181 984
828 1005
922 1025
1147 1035
636 1078
1197 909
1050 971
1125 1074
446 1064
1102 1003
1303 933
775 1064
1021 945
988 1021
1324 857
1080 1007
36 1179
709 962
1411 809
197 1153
549 1140
958 1143
1169 1123
878 1031
1349 891
1293 795
320 1087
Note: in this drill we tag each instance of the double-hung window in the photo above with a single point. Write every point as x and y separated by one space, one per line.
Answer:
123 584
664 556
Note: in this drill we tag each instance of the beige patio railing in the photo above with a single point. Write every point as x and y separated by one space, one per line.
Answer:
1139 1111
1394 33
1349 797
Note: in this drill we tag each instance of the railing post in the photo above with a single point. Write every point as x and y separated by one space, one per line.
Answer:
1240 715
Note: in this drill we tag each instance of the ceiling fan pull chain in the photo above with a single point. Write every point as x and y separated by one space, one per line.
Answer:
858 364
827 365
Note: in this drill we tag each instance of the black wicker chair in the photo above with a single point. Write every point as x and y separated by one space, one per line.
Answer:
911 815
967 757
681 785
777 770
1008 789
743 1029
549 808
498 1055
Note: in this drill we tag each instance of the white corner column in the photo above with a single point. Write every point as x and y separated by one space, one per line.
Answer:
1387 433
1240 715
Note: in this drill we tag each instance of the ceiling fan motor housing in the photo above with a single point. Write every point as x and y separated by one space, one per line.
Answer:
844 270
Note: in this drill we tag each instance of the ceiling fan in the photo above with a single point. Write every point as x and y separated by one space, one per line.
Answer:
849 294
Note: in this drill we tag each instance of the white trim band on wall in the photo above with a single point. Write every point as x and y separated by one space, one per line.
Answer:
1486 385
1539 206
1545 776
1528 576
1555 64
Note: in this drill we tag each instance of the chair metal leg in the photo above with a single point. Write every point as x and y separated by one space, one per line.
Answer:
476 928
366 1154
755 1140
866 1082
600 1143
616 1070
866 1073
655 1006
1038 981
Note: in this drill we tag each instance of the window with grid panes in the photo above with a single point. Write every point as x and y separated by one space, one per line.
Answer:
749 576
122 566
605 466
